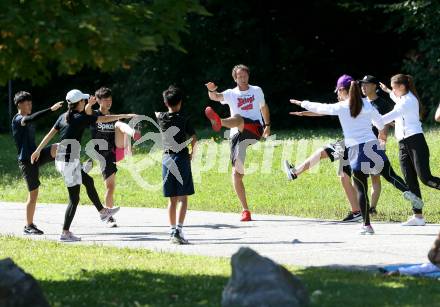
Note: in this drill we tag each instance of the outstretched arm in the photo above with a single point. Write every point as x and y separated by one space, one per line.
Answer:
112 117
37 115
305 113
36 154
212 92
320 108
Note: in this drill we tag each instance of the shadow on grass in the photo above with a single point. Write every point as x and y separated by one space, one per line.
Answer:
135 288
341 287
138 288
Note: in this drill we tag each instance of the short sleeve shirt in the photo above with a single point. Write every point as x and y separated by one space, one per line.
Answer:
244 103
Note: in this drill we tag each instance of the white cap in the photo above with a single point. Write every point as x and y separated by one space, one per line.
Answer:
74 96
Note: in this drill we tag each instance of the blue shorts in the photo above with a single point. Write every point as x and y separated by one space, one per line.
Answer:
176 175
367 157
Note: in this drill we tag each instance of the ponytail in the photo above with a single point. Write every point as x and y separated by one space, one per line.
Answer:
70 108
408 82
355 99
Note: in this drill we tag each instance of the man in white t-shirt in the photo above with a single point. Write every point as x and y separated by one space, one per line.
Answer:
249 121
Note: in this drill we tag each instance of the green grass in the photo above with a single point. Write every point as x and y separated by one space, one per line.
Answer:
317 194
78 275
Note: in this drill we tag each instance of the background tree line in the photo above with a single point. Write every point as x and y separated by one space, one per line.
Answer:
294 49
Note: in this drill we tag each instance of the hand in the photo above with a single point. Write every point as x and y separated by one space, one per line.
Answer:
384 88
383 144
57 105
211 86
297 113
92 100
35 156
294 101
266 132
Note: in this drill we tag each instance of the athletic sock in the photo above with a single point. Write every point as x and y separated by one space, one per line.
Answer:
172 228
179 227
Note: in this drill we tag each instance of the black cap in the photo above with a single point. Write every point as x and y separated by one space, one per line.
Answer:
369 79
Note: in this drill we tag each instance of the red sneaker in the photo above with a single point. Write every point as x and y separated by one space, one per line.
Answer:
214 118
246 216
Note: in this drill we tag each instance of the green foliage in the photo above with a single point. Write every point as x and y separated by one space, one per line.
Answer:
417 21
39 37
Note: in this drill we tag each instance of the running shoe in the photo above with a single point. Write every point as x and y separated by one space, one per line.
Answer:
246 216
289 170
69 237
416 201
414 221
177 238
214 118
107 213
353 217
32 230
366 230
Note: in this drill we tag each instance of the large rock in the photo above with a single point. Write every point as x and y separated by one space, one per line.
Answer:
18 288
434 252
258 281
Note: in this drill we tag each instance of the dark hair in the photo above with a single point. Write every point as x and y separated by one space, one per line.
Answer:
355 99
103 92
22 96
172 96
237 68
70 108
408 83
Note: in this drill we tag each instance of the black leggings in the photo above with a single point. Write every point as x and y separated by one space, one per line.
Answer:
414 162
360 181
74 191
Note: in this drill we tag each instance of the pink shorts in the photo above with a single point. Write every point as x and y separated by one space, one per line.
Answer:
119 154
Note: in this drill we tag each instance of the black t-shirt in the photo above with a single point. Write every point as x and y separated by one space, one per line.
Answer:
24 137
103 131
73 130
383 107
177 124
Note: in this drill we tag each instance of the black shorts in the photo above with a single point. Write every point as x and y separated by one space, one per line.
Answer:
176 175
252 132
30 172
110 163
337 151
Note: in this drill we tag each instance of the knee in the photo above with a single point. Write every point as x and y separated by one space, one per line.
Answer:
236 175
110 187
87 180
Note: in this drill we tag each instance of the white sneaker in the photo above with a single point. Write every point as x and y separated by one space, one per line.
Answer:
416 201
414 221
108 213
366 230
289 170
69 237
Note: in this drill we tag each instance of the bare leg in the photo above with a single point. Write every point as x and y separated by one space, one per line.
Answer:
183 206
30 206
172 210
110 184
233 122
53 150
376 189
311 161
122 129
237 179
350 192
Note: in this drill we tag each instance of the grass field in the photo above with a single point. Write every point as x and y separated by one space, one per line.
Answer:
316 194
103 276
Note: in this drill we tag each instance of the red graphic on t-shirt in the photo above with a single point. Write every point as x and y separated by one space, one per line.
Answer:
246 103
